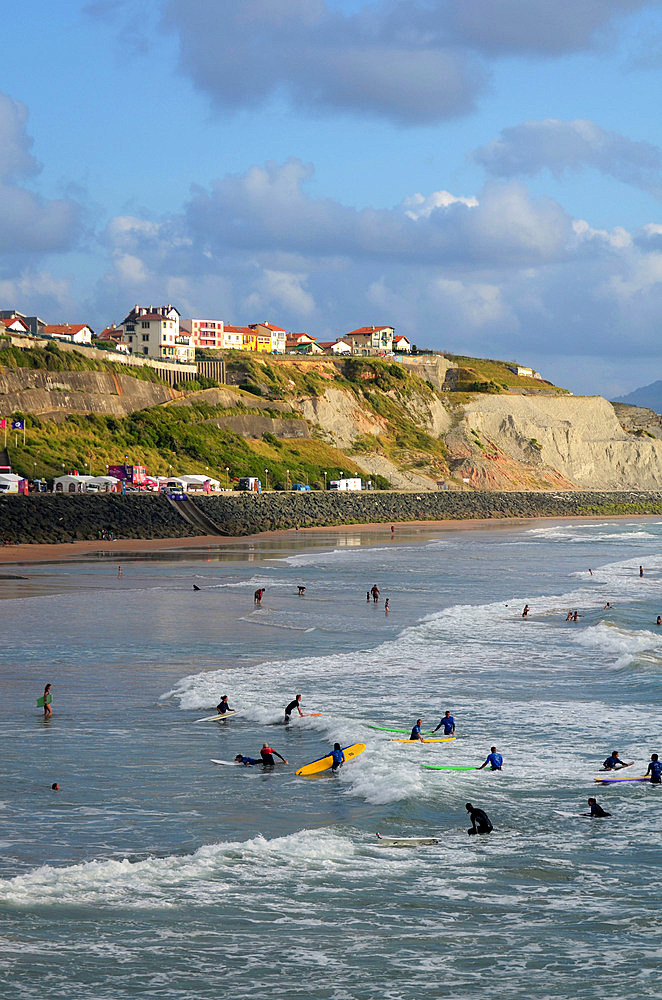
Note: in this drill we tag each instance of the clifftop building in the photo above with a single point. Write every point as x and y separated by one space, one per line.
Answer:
153 331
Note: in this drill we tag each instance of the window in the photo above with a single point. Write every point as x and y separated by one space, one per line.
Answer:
130 339
145 337
130 326
145 350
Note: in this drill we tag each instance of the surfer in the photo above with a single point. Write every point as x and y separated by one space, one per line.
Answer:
416 731
257 596
302 590
292 705
338 757
268 753
494 759
48 697
480 821
195 586
641 571
596 809
223 706
614 762
247 761
448 722
655 769
526 610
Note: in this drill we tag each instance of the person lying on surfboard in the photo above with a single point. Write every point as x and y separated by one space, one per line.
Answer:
268 753
223 706
416 731
614 762
241 759
596 809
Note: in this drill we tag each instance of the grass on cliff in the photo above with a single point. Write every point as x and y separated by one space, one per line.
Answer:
50 358
489 376
171 439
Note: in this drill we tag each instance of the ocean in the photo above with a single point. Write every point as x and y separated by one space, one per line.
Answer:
155 873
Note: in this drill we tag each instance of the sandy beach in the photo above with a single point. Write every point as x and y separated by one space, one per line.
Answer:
63 551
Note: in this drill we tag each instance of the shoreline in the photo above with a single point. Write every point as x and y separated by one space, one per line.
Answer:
59 552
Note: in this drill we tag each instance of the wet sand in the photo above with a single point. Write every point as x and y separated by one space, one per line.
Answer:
63 551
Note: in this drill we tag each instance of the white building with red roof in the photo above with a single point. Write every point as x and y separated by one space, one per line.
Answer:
75 333
401 344
153 331
370 340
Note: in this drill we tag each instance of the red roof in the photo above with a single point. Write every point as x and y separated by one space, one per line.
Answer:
8 320
238 329
65 329
396 339
268 326
363 331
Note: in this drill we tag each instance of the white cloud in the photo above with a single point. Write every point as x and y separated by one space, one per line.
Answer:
417 206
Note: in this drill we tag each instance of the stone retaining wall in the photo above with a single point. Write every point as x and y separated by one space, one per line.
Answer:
62 518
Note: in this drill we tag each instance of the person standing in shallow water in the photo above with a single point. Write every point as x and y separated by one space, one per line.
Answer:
48 697
374 590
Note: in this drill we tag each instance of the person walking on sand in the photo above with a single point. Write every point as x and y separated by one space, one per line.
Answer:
47 699
257 596
374 590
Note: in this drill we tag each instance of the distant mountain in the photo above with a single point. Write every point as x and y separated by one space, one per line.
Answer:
647 395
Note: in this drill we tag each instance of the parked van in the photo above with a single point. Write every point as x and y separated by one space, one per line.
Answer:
345 484
250 484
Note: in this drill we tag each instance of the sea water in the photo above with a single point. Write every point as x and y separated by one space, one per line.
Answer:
156 873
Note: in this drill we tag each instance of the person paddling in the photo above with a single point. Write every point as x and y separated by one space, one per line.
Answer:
614 762
597 812
247 761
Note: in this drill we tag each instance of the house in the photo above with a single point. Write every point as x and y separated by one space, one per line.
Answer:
78 333
335 346
206 333
525 372
401 344
112 335
371 340
305 347
277 335
233 338
295 340
153 331
35 324
13 324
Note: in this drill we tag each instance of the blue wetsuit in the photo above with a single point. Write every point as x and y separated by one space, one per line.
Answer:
495 760
249 760
338 759
655 771
612 763
415 733
448 722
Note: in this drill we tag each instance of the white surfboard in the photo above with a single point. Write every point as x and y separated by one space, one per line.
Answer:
227 763
406 841
217 718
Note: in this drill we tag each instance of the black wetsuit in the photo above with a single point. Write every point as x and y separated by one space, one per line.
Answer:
223 707
597 810
290 708
481 821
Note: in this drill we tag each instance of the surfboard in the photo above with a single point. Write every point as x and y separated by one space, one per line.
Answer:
434 739
227 763
387 729
406 841
450 767
324 763
217 718
44 701
613 781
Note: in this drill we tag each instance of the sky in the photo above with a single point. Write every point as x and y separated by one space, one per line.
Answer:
483 175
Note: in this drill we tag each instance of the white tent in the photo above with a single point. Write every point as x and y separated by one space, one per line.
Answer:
198 482
10 482
71 484
106 484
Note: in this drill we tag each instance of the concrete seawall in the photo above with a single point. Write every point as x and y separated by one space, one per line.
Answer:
49 518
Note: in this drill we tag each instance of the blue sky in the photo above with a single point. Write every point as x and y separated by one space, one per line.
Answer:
484 175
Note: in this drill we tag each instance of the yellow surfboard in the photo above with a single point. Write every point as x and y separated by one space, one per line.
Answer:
433 739
324 763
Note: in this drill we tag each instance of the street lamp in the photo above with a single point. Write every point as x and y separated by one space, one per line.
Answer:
266 479
324 474
227 474
287 480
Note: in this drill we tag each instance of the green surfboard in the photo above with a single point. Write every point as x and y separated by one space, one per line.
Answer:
450 767
41 701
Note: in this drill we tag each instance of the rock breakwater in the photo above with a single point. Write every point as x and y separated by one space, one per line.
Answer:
48 518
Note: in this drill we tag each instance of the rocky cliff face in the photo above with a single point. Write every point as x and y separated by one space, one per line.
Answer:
50 394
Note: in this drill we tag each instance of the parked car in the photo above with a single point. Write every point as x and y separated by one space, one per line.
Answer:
300 488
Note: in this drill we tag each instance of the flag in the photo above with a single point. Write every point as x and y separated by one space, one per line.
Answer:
3 423
18 425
